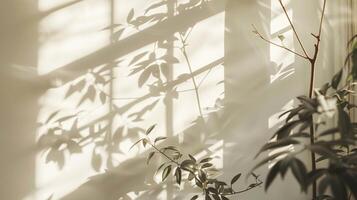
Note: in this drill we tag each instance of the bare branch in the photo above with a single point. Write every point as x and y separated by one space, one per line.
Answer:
294 29
278 45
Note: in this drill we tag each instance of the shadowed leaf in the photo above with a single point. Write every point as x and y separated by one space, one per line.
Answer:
166 172
235 178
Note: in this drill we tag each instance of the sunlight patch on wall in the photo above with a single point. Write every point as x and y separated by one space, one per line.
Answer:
71 33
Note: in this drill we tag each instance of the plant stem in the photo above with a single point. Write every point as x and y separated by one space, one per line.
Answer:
312 61
312 83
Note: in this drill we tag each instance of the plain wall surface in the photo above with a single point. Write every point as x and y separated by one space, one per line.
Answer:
79 69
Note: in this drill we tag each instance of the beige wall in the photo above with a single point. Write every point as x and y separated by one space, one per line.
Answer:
50 50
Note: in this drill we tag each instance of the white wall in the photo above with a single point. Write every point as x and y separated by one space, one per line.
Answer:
52 49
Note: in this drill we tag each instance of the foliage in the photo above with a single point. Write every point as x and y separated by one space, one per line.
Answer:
201 173
335 146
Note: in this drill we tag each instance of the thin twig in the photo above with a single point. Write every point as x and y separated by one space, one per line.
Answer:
294 29
275 44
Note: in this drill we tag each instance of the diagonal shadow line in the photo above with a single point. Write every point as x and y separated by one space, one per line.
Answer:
55 9
32 20
168 86
147 36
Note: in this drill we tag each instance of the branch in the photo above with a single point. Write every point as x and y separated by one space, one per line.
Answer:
293 27
278 45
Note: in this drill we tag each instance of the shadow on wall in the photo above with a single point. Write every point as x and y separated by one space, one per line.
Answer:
225 124
232 119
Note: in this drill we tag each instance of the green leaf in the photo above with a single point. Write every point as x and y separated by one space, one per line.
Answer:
273 172
336 80
224 198
151 155
281 37
137 142
187 164
202 176
338 187
145 141
216 197
316 174
207 197
192 158
206 160
235 178
323 151
178 175
159 139
329 132
277 144
323 184
300 172
148 131
166 172
344 123
160 167
285 130
269 158
206 165
294 112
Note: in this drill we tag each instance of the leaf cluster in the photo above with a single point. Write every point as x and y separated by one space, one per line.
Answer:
202 173
335 146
